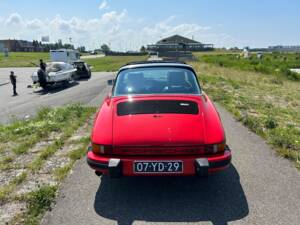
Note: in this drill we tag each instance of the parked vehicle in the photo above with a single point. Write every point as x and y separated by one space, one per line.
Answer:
56 73
64 55
157 121
82 70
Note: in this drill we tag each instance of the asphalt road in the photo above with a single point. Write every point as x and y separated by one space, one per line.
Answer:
259 188
30 100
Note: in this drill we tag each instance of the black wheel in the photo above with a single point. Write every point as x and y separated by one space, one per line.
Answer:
44 86
65 83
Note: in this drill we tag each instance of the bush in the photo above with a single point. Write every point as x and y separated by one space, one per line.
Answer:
271 123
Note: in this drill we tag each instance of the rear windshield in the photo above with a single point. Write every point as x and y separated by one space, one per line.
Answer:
156 80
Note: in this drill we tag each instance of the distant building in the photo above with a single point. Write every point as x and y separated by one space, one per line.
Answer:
178 43
281 48
20 46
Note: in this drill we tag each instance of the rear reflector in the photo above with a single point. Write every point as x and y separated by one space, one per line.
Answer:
157 107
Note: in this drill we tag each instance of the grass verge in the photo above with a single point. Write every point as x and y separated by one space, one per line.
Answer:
277 64
25 134
22 59
5 191
112 63
74 155
53 129
38 202
267 105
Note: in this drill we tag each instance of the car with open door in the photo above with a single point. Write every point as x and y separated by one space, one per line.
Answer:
157 121
83 70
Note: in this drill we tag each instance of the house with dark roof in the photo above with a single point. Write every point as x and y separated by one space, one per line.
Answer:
178 43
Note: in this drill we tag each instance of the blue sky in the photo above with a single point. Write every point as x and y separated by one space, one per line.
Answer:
128 24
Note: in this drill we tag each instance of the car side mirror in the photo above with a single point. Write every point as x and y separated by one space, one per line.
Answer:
110 82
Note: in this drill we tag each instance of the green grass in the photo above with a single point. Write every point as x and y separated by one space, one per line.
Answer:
6 191
58 120
76 154
22 59
277 64
56 126
112 63
25 134
61 172
25 59
45 154
38 202
267 105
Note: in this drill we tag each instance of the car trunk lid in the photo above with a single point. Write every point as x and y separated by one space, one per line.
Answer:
158 126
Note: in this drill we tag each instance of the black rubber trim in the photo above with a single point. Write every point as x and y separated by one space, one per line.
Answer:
97 165
220 163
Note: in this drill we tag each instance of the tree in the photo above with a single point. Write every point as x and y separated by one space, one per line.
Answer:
81 49
143 49
105 48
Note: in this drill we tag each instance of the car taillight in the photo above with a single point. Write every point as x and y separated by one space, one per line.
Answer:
215 148
219 147
101 149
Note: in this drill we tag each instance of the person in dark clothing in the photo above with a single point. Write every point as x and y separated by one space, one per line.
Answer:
43 65
42 74
13 80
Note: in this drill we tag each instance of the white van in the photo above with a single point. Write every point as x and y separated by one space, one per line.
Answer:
64 55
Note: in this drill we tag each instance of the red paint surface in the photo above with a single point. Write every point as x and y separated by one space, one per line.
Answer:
152 131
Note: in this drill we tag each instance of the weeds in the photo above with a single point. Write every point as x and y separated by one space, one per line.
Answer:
272 63
268 105
54 126
74 155
62 172
6 191
60 120
39 202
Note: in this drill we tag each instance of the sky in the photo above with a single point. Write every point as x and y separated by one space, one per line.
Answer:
129 24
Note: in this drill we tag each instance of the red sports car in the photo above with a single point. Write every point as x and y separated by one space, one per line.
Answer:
157 122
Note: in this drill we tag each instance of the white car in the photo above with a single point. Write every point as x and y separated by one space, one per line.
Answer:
56 72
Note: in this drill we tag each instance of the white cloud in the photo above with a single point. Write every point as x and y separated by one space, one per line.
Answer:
118 29
165 28
103 5
113 17
34 24
14 19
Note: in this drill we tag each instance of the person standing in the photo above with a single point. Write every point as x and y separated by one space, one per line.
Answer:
43 65
13 80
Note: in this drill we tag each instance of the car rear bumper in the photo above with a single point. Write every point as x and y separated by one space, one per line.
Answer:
124 166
